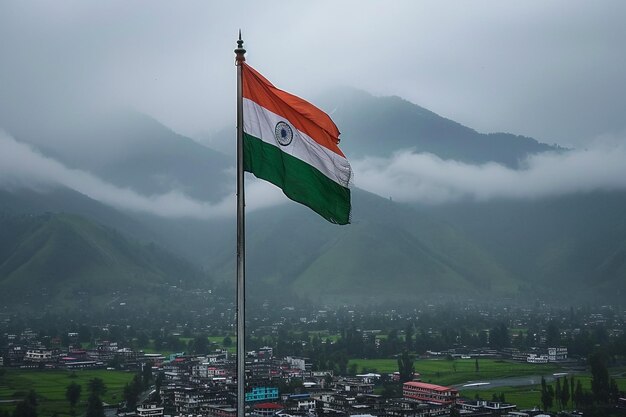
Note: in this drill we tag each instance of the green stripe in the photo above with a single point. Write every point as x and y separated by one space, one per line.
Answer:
299 181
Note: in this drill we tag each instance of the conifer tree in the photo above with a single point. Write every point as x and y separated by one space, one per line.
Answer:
94 406
565 392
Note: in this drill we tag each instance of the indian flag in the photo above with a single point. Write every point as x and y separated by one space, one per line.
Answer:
293 144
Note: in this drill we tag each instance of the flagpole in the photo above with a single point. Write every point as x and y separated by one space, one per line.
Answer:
241 247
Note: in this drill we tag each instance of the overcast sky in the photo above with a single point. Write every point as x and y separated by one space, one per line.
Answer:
555 71
552 70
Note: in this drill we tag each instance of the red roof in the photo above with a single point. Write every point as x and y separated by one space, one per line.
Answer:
428 386
271 406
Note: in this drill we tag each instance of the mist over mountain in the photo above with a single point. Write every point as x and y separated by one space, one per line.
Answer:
379 126
450 211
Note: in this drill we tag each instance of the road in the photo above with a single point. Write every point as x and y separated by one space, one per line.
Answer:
515 381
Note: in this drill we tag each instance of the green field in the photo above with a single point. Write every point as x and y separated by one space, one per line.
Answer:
458 371
50 387
530 396
450 372
524 397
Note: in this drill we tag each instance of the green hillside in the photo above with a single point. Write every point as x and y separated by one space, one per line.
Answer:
390 250
560 246
62 258
570 244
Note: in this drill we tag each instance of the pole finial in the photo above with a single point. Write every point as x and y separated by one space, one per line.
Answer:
239 51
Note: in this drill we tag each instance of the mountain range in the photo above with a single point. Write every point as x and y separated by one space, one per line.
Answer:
567 247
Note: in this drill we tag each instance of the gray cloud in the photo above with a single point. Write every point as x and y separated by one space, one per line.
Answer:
425 178
22 166
406 177
554 71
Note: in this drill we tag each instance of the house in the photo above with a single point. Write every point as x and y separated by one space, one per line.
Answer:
38 355
557 354
431 393
266 409
262 394
149 410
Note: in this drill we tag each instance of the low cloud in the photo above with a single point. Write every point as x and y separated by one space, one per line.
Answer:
407 176
23 166
425 178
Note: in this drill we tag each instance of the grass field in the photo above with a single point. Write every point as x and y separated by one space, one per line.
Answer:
447 372
450 372
524 397
50 387
530 396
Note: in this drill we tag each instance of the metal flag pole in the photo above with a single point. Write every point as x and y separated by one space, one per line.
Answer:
241 264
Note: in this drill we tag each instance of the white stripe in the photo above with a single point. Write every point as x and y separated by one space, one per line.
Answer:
260 122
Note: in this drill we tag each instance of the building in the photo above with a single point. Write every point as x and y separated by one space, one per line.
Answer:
557 354
149 410
534 358
304 364
266 409
189 400
431 393
220 411
489 406
354 387
262 394
38 355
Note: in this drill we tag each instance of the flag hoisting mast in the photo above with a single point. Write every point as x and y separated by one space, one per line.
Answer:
241 289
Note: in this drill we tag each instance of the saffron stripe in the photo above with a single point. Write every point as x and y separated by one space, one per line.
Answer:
303 115
260 123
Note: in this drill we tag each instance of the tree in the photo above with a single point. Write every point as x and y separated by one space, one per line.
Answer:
613 391
72 393
201 344
578 394
352 369
28 407
132 391
391 390
557 393
146 374
553 335
476 367
550 396
499 336
97 387
565 392
599 377
227 341
94 406
159 380
408 336
547 394
406 368
143 340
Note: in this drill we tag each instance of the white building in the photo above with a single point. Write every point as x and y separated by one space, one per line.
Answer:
557 354
38 355
149 410
534 358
